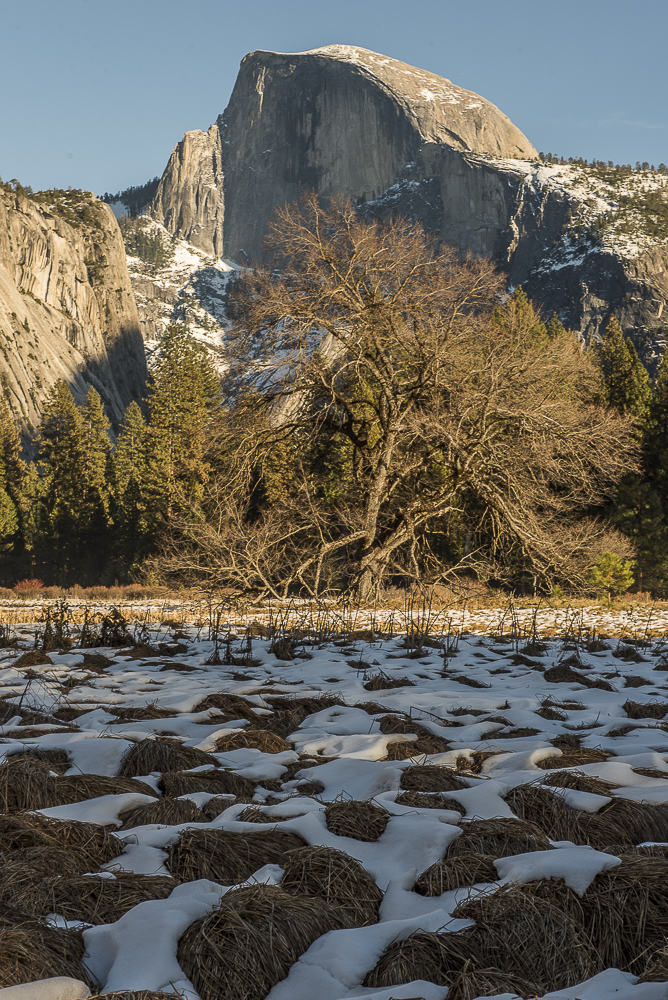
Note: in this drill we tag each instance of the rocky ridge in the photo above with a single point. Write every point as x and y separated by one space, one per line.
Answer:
188 288
397 139
67 310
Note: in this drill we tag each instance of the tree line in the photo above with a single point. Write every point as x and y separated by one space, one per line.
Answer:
84 512
388 416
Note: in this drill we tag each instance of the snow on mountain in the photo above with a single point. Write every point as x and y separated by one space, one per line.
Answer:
184 285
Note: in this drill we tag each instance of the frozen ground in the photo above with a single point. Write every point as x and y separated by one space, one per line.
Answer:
487 704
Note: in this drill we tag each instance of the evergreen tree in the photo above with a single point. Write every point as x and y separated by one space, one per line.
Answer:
184 386
12 473
627 385
130 501
70 524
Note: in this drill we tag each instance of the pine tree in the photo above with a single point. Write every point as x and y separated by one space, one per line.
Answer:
184 386
12 473
130 500
71 524
627 385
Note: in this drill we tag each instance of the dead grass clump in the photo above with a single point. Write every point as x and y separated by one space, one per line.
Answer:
656 970
79 787
548 811
579 782
358 819
228 858
574 756
248 944
381 681
259 739
96 899
161 755
289 713
233 706
562 673
431 778
216 781
429 800
456 873
436 958
528 931
141 712
626 912
621 822
26 783
33 658
167 812
137 995
499 838
426 742
471 983
217 805
88 844
58 760
335 877
32 951
255 814
644 710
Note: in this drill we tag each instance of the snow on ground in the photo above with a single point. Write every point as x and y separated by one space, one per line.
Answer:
481 683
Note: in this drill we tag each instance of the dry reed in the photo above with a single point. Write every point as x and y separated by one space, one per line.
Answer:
259 739
431 778
87 844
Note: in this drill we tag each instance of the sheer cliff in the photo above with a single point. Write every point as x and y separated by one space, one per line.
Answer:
67 309
395 138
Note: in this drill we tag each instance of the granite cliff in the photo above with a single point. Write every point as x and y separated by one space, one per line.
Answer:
67 309
399 139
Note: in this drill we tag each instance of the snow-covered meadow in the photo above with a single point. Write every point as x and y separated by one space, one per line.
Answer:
426 750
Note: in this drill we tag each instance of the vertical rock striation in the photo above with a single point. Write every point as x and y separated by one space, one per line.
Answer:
66 306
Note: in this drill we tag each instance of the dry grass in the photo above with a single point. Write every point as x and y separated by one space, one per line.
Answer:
88 845
531 934
499 838
335 877
259 739
249 943
436 958
562 673
228 858
472 982
31 887
137 995
27 782
626 912
645 710
656 970
574 756
161 755
621 822
429 800
579 782
32 951
360 820
456 873
217 781
431 778
166 812
232 706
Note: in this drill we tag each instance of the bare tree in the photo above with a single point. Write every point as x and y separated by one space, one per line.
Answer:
445 407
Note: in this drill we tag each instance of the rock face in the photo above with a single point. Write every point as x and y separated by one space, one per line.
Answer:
337 119
66 306
398 139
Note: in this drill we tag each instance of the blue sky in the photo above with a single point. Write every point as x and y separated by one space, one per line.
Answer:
96 94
